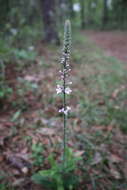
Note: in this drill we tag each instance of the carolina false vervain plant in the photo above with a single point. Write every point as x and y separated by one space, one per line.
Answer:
63 87
62 176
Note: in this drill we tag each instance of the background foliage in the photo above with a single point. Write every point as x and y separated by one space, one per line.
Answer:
31 34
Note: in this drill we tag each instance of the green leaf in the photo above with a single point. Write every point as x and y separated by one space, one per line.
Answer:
16 116
52 160
2 93
45 181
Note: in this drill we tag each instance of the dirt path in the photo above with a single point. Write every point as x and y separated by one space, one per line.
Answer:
114 42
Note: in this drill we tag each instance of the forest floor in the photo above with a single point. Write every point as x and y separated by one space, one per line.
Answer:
114 42
31 127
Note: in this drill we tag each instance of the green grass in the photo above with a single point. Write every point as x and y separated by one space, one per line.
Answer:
99 76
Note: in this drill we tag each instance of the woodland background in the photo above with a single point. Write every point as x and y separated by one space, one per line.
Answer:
31 39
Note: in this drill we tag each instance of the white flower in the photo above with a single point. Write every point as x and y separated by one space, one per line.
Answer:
59 89
68 90
61 110
62 60
65 111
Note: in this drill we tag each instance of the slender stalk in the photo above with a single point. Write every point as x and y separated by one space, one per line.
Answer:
66 52
64 137
63 87
65 117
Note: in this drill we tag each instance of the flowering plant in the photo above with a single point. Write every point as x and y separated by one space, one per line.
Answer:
64 74
62 176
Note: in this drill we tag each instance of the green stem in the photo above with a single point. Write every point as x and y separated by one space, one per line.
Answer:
65 117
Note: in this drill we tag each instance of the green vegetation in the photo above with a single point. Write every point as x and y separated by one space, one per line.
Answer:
31 114
104 78
37 154
59 176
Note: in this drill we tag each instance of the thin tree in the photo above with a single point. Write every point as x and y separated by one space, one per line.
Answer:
71 11
105 14
49 21
4 10
82 13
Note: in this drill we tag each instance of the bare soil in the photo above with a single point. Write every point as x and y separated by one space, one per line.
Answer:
114 42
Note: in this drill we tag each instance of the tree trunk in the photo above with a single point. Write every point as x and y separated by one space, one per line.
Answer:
4 10
82 13
49 21
64 9
71 11
105 14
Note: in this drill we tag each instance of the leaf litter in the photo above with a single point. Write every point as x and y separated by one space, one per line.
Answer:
41 123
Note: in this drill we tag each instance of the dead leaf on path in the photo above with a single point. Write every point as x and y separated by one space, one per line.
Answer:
97 158
25 170
18 163
101 103
25 150
110 128
5 132
114 172
78 129
31 78
24 156
46 131
51 111
1 158
41 121
4 138
117 91
45 141
16 138
78 153
125 170
114 158
9 124
102 128
18 182
56 139
97 128
15 172
2 141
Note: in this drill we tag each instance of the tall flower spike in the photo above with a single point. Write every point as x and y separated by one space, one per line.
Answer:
64 89
67 40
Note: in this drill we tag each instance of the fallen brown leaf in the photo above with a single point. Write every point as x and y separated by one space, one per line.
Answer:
117 91
46 131
114 172
17 162
115 158
78 153
97 158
